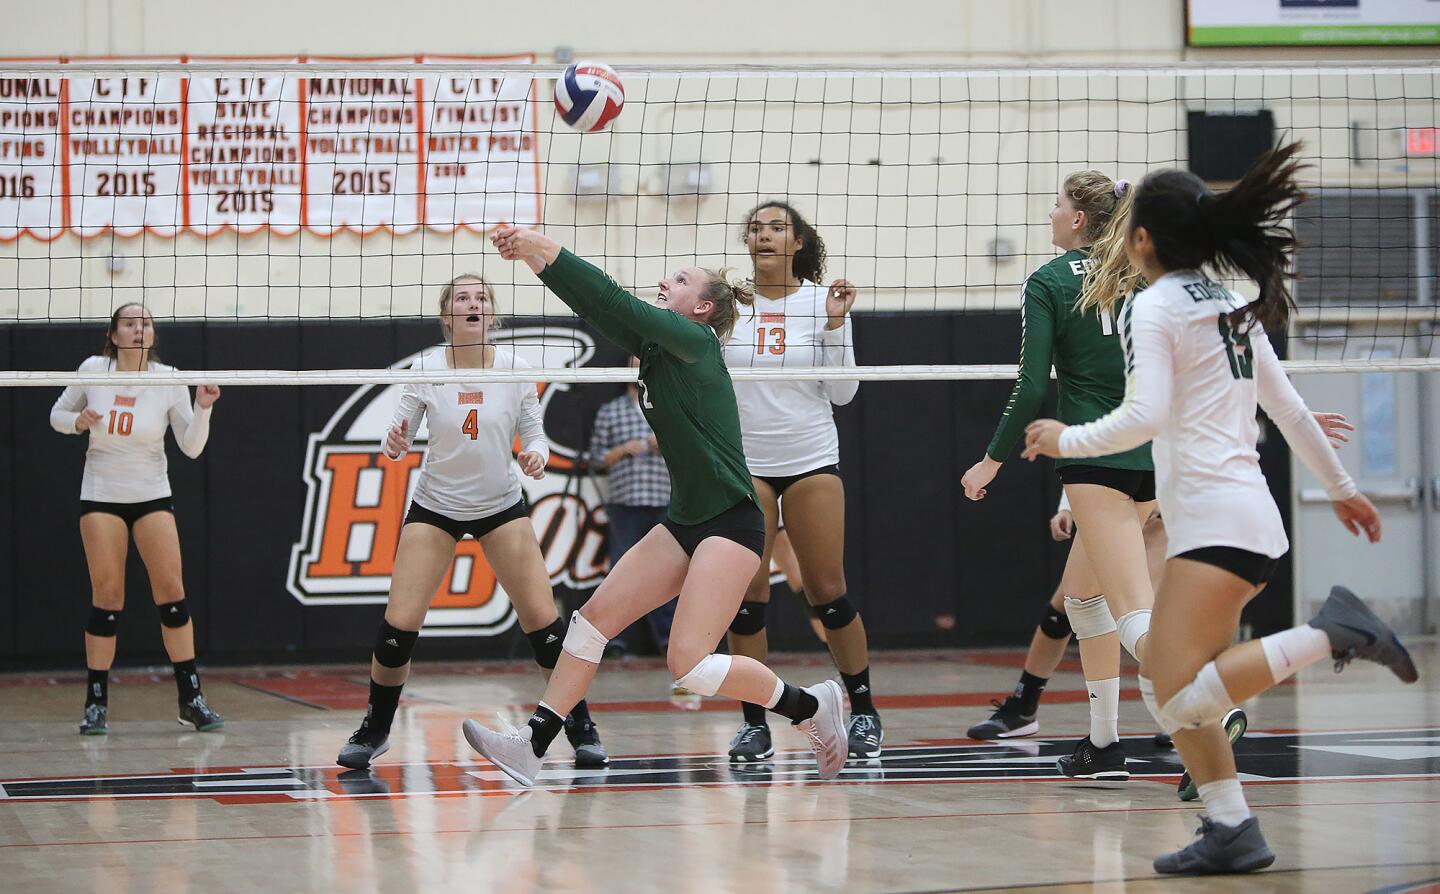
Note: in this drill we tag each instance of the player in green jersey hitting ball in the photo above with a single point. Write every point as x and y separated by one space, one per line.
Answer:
708 548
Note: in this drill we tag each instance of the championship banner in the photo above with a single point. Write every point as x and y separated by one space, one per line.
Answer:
1247 23
204 154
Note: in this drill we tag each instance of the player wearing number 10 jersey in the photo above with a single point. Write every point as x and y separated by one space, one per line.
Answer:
125 493
468 485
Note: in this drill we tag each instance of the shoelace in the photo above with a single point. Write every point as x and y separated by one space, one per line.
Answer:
1344 658
507 728
865 726
812 732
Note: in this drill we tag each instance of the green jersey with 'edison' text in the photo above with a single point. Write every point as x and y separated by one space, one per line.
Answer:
1086 353
685 389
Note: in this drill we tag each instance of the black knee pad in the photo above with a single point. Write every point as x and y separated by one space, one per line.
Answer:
837 613
1055 624
750 619
393 646
174 614
547 643
103 621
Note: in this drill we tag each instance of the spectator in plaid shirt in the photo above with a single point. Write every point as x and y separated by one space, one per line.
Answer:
623 443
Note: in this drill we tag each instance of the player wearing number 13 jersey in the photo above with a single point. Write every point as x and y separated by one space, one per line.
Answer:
793 451
125 493
469 485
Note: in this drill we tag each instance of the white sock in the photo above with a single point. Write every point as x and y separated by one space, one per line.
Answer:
1225 802
1104 711
1290 650
775 696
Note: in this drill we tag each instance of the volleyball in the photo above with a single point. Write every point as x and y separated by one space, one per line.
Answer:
589 96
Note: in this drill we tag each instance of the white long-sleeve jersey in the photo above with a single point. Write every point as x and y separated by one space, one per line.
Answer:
1192 384
468 472
125 461
788 427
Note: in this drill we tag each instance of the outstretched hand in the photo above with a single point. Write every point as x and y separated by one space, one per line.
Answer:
524 244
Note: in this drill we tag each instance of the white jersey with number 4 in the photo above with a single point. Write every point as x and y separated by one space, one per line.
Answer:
469 472
125 460
787 426
1192 383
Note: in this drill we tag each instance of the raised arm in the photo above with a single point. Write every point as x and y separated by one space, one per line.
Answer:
192 427
837 341
1149 381
588 291
405 423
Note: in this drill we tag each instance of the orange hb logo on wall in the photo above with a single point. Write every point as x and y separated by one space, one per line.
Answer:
356 500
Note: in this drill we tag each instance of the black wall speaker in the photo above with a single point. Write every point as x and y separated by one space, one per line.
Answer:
1224 146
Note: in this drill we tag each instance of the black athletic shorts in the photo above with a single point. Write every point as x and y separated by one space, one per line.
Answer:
1242 563
782 483
476 528
1133 483
742 523
129 512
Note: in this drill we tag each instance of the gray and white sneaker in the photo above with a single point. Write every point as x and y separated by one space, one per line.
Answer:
1219 849
1235 723
1355 632
364 746
826 729
865 736
751 744
96 722
510 749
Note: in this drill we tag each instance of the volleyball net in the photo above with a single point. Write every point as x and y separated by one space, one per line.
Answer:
281 192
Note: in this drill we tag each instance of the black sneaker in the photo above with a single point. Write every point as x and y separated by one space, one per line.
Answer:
1218 849
1089 762
751 743
590 754
364 746
1235 724
1355 632
1006 723
96 722
1163 740
865 736
200 715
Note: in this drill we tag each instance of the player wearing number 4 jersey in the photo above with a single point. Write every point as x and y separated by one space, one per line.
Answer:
793 452
709 546
468 486
1197 364
125 493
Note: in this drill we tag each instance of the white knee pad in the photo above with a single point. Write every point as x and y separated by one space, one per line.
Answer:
705 678
583 641
1134 625
1147 695
1203 701
1089 617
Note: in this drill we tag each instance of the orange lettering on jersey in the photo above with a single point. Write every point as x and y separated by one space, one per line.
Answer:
471 397
772 318
341 513
123 401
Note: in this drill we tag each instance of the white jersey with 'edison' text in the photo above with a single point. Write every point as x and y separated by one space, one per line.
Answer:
469 472
787 426
1192 384
125 461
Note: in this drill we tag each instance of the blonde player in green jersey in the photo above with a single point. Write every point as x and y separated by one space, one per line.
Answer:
1111 496
709 546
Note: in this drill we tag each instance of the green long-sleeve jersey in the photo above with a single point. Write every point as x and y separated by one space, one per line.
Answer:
1085 350
685 389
